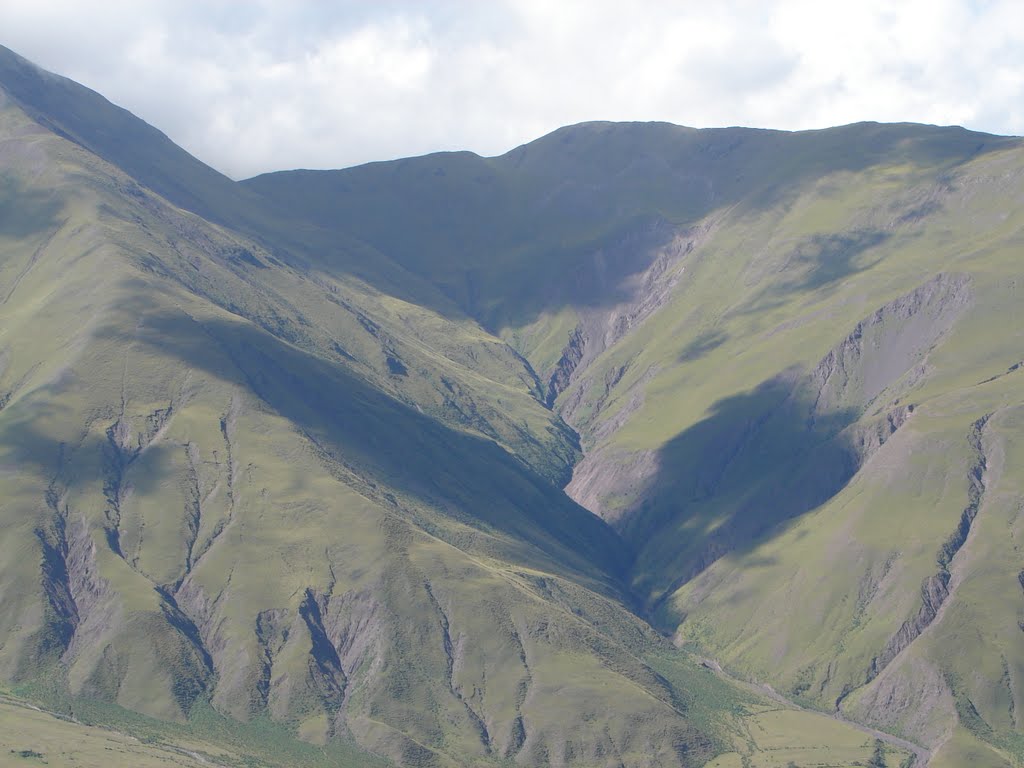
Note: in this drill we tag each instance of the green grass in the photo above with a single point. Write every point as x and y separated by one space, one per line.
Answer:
751 729
706 698
104 734
823 564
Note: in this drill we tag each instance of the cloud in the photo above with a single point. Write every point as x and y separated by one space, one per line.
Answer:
257 86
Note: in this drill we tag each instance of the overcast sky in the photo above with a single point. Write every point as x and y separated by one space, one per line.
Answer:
256 85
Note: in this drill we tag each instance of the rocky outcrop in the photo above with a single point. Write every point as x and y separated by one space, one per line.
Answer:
888 347
124 446
865 438
61 619
934 592
566 366
96 607
638 294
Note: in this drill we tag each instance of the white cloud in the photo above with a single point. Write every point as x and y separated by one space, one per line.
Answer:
256 86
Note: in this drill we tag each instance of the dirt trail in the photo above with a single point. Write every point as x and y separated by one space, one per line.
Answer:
921 755
155 745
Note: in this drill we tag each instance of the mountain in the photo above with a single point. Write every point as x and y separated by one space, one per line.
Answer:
232 477
791 359
283 460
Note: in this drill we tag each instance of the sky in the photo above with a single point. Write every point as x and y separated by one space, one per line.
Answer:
250 86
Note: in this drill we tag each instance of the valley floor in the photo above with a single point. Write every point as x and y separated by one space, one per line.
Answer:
32 736
761 731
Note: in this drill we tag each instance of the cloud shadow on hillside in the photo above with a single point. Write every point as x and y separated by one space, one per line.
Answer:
26 212
703 344
754 462
824 260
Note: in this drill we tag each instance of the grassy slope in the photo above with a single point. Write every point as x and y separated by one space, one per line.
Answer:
810 606
31 737
806 236
754 729
396 330
748 728
483 229
204 499
95 734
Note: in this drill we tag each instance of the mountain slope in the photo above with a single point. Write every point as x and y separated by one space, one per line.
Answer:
805 470
231 479
294 447
789 357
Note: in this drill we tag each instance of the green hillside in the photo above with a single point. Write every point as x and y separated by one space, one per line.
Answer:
282 461
737 322
232 481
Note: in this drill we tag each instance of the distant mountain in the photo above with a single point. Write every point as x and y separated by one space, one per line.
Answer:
289 453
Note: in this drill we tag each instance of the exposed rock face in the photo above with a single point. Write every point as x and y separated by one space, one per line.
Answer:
347 655
596 476
566 366
638 294
934 592
916 702
95 606
102 622
212 503
888 346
